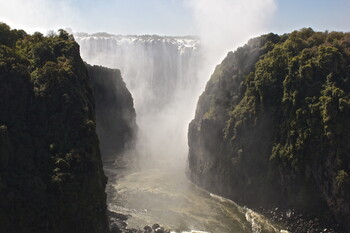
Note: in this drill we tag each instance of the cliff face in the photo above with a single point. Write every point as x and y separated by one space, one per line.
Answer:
115 113
271 127
51 176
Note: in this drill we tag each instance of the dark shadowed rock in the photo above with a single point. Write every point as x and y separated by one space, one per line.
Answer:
147 229
51 176
115 215
115 114
155 226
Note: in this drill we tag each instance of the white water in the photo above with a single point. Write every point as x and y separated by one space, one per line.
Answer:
154 68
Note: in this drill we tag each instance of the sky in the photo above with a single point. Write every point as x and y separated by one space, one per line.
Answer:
162 17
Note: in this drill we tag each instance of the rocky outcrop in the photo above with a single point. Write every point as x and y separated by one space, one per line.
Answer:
271 126
51 176
118 225
115 113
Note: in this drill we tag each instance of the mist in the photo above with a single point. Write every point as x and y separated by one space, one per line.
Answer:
166 75
40 15
165 101
223 25
166 51
162 75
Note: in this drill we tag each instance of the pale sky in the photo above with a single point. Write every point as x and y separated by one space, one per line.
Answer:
163 17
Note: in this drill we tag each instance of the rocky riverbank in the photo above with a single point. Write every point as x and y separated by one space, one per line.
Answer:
297 222
117 224
292 221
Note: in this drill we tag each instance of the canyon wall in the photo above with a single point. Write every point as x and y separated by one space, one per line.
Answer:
271 128
51 176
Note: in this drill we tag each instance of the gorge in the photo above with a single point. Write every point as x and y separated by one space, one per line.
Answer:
269 132
225 120
162 74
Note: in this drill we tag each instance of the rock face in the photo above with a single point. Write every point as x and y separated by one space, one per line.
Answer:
271 128
115 113
51 176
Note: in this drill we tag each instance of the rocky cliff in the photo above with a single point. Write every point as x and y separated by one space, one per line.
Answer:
51 176
271 127
115 113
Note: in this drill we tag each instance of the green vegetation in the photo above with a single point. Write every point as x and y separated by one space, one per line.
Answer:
272 126
51 177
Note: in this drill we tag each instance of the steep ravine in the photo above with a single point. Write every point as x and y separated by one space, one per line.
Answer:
271 128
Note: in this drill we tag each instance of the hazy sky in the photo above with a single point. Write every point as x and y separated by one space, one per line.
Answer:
164 17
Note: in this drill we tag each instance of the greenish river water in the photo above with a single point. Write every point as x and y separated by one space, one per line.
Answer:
162 194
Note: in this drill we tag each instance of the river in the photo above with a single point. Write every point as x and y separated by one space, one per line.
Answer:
162 194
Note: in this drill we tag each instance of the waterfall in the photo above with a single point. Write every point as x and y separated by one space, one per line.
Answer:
161 72
153 67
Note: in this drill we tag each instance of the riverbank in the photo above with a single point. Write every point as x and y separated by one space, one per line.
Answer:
291 220
298 222
117 224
